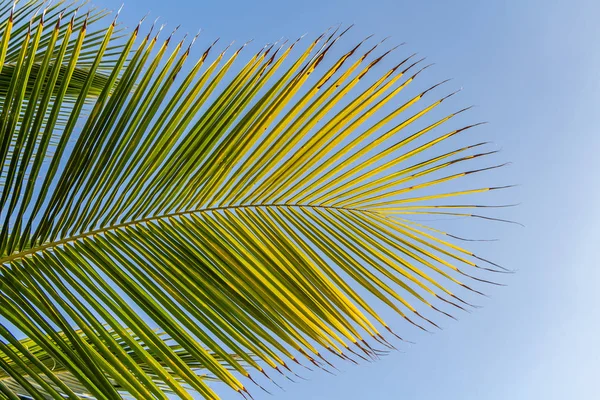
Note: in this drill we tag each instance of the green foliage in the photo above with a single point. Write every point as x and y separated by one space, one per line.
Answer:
160 232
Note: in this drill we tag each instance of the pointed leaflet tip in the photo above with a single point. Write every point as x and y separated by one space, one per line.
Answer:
290 370
283 43
324 48
335 353
227 48
266 49
278 370
172 33
298 362
357 355
412 65
151 28
339 37
281 39
452 94
180 44
141 20
481 280
248 393
415 324
43 15
495 219
471 157
337 28
367 349
246 44
327 362
402 62
368 51
368 37
428 320
85 22
477 144
384 54
193 41
269 378
346 357
443 312
492 263
38 11
393 48
464 302
159 31
383 343
392 332
384 340
72 23
433 87
422 69
60 16
451 303
377 60
297 40
469 127
119 13
493 270
205 54
277 51
488 169
321 36
139 25
346 30
474 291
257 384
507 186
462 111
375 351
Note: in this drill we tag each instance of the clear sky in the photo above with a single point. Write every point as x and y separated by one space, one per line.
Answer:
533 69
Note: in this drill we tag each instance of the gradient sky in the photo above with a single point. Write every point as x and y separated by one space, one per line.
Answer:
533 70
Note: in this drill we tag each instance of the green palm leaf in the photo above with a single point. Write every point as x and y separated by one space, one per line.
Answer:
203 227
20 26
34 367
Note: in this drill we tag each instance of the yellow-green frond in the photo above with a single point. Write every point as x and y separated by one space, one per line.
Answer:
220 216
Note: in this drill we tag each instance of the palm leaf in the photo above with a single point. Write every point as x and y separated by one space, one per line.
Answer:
40 65
219 223
33 367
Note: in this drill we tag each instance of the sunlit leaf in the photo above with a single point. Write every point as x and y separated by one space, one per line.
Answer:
166 225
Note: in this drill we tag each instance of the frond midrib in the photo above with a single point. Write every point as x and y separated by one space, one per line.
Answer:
71 239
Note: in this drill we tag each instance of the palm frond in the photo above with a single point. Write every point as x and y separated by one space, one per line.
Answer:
34 367
207 226
46 63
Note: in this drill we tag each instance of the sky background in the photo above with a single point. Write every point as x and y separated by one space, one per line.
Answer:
533 70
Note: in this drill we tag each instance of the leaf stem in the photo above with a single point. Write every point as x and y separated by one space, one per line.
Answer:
45 246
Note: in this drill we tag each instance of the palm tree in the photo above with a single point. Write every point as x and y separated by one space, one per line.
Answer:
160 232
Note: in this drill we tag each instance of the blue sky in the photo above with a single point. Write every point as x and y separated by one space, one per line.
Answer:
533 70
